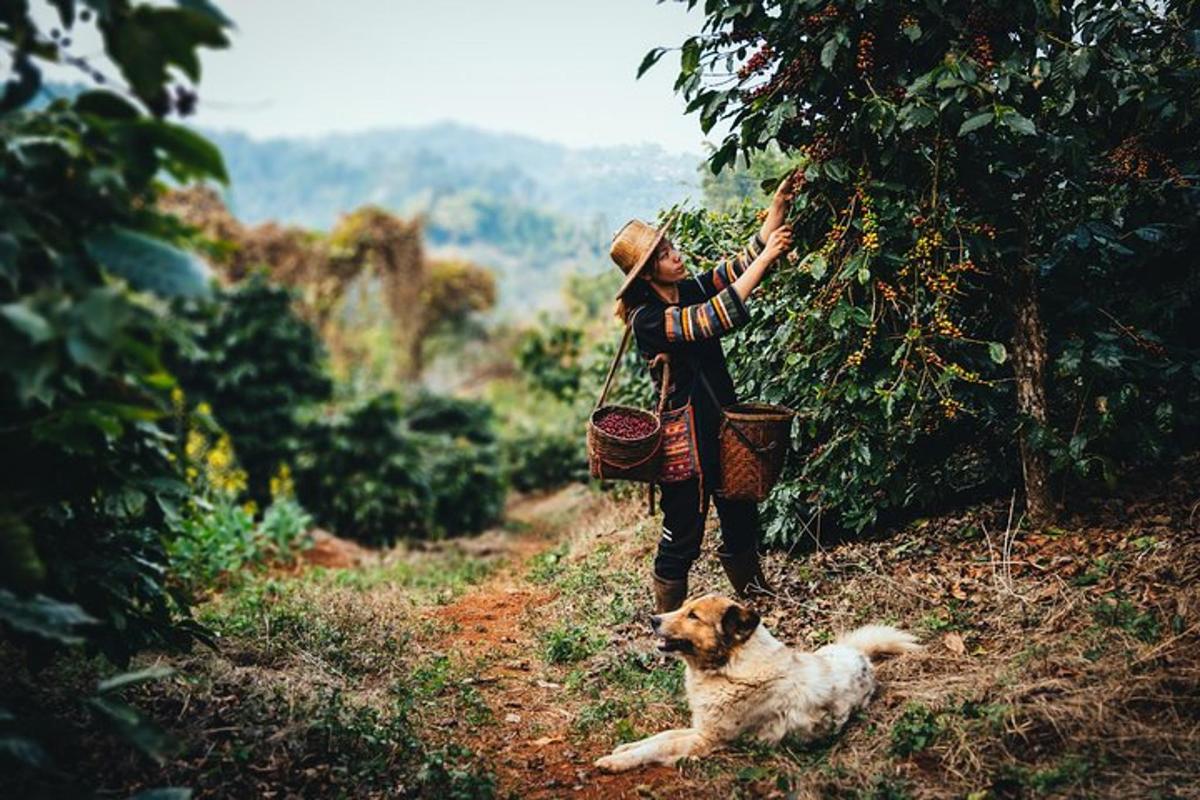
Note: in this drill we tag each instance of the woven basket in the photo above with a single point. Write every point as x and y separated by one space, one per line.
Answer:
613 457
754 442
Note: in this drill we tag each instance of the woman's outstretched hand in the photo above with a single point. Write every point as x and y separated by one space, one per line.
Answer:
778 243
781 204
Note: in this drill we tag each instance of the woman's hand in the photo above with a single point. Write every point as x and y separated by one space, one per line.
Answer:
781 204
778 243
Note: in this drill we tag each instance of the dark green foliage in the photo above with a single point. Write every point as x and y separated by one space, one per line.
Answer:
368 475
542 457
948 150
257 364
549 356
449 416
87 473
467 483
360 473
88 484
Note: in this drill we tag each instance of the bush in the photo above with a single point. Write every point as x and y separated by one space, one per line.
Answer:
360 473
994 276
258 365
365 473
543 456
467 483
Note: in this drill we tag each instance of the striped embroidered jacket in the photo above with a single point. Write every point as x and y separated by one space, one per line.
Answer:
690 332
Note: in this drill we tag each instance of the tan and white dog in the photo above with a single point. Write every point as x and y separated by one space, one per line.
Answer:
742 681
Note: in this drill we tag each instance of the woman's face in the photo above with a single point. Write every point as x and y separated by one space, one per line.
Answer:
667 263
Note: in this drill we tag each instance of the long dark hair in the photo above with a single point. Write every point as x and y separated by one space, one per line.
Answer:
639 292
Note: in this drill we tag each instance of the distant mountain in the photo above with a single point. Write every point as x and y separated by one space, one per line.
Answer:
522 206
531 210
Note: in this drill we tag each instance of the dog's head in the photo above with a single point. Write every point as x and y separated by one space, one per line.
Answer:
706 630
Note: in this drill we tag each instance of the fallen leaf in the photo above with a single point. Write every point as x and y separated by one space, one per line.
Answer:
954 643
515 717
545 740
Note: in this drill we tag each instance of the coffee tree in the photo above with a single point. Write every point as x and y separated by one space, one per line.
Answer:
998 210
88 486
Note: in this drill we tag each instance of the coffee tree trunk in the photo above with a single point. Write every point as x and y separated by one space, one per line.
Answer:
1029 368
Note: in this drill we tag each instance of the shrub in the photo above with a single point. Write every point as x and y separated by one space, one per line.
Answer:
996 242
466 482
258 365
543 456
360 472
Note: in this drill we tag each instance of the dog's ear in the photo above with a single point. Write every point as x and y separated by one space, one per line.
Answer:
738 623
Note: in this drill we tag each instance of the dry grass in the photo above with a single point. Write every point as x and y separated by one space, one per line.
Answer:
1059 663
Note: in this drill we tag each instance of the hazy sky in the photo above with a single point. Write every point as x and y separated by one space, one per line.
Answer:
561 70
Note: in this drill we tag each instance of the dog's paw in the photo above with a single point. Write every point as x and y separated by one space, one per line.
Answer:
621 748
616 762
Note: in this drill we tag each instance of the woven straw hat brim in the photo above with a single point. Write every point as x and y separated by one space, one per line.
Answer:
632 275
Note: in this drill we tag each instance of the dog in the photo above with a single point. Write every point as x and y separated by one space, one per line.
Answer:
742 681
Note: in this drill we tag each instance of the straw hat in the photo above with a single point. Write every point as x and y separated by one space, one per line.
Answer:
632 247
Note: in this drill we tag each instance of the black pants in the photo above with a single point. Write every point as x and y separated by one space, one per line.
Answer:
683 527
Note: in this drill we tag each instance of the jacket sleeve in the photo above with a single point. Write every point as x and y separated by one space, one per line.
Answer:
661 330
717 280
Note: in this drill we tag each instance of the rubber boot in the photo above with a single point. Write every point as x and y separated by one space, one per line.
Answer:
669 594
745 573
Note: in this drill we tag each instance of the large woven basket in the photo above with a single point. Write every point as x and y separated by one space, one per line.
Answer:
614 457
610 456
754 443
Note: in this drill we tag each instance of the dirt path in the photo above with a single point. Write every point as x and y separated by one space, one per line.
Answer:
531 746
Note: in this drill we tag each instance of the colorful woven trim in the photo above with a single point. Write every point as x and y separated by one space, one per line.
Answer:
714 317
731 269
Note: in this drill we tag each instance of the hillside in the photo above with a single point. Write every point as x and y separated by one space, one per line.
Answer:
517 205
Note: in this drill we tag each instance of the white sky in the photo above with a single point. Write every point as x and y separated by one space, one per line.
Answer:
561 70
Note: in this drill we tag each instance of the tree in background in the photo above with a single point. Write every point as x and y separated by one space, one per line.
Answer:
367 286
1000 211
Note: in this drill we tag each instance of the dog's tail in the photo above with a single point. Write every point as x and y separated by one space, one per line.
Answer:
877 640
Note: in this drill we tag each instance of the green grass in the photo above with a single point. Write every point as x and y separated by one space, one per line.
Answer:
916 729
567 644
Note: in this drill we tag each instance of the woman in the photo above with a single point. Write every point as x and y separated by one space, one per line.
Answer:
684 316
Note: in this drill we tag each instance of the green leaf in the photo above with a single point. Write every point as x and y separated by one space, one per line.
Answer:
913 31
192 156
816 265
208 9
1019 124
29 322
25 750
689 58
43 616
829 53
130 678
136 728
975 123
106 104
998 352
149 264
650 60
164 793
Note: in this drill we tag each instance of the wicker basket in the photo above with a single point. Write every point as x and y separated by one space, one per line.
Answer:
754 442
611 456
615 457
